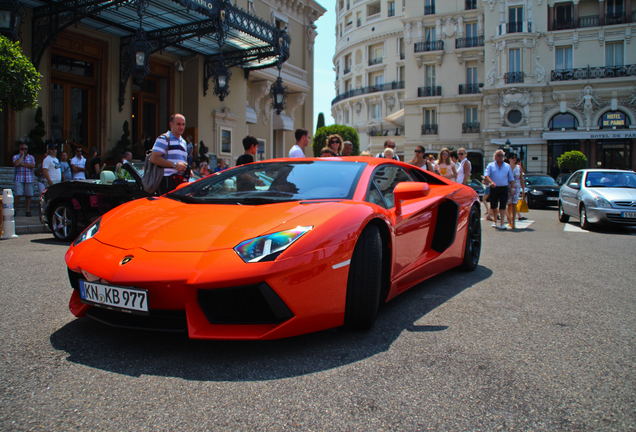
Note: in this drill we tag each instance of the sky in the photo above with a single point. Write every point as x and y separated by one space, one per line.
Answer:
324 50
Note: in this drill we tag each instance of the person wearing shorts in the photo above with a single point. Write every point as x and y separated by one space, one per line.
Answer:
23 164
499 175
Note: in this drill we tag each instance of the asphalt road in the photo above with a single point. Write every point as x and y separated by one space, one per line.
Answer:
541 337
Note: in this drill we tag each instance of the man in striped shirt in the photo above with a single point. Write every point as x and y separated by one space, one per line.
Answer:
177 160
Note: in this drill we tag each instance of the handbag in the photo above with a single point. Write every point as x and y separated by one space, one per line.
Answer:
522 206
153 174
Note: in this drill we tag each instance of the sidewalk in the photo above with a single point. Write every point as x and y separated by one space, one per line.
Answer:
29 225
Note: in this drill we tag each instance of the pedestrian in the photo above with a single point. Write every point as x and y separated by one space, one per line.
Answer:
347 148
78 165
327 152
120 172
455 160
388 153
95 166
147 145
39 175
190 146
515 189
420 159
204 169
220 166
23 164
334 142
444 166
302 139
250 145
65 167
51 168
486 198
465 167
176 160
391 145
499 176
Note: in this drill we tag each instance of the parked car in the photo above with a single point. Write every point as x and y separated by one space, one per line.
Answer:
69 207
599 196
541 190
478 187
274 249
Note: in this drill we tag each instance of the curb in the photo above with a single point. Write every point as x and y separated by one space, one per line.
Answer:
31 229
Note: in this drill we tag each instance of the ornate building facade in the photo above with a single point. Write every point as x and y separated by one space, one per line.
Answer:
541 77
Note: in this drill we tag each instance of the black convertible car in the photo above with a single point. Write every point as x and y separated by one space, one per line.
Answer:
69 207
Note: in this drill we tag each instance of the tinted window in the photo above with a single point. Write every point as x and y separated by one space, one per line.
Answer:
611 179
384 181
540 181
576 178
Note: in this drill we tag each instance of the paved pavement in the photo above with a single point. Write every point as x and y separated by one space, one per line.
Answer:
29 225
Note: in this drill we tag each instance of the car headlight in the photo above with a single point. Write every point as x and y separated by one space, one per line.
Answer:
268 247
88 232
535 192
601 202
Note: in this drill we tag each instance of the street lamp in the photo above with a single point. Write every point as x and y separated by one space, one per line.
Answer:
140 50
278 93
11 15
222 76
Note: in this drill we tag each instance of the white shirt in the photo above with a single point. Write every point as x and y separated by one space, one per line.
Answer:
80 163
54 167
296 152
460 170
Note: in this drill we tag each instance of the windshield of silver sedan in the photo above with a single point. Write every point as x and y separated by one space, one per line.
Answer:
262 183
611 179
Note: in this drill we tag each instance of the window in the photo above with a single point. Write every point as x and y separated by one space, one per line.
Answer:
376 111
563 59
280 23
378 52
400 74
614 53
429 8
430 75
565 121
471 76
391 8
348 22
373 9
430 117
385 179
471 30
614 8
563 17
348 86
515 19
430 34
346 116
250 6
378 79
514 60
401 48
470 115
515 116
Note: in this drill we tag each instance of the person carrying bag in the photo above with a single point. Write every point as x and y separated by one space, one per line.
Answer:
167 164
153 174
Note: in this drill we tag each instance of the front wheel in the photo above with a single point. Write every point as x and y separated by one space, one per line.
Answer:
562 216
472 250
365 280
64 222
585 224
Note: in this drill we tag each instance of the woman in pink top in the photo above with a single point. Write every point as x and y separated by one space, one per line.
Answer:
445 166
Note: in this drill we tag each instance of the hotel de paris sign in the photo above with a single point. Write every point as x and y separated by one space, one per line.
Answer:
615 134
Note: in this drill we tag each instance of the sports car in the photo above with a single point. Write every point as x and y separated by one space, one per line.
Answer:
274 249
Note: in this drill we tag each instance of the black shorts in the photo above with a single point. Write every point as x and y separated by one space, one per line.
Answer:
499 195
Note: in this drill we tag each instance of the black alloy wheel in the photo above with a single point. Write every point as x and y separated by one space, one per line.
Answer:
64 222
472 250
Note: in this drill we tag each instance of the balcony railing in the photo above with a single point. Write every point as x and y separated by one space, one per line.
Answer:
429 91
346 70
429 46
429 129
613 19
517 27
588 21
395 85
471 4
469 42
563 25
593 72
470 88
470 128
429 10
376 61
514 77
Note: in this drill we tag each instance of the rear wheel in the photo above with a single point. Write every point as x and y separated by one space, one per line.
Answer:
472 250
585 224
64 222
562 216
365 280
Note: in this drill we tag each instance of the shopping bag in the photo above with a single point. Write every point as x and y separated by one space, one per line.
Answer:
522 206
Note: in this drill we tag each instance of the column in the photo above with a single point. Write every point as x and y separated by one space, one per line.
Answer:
601 13
575 15
550 17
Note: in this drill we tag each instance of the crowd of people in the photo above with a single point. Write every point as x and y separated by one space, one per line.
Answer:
505 185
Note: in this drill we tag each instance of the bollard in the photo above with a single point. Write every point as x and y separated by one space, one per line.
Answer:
7 214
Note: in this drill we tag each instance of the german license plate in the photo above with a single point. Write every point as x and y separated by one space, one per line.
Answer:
125 299
629 215
552 198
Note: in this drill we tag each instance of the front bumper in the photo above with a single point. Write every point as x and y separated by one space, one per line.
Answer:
609 215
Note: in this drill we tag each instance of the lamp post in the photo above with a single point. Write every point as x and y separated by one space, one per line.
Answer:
140 51
222 76
11 15
278 92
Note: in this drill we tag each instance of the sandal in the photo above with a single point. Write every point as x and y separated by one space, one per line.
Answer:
28 214
489 218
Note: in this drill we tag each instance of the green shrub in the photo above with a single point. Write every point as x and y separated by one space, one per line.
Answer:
346 132
19 80
572 160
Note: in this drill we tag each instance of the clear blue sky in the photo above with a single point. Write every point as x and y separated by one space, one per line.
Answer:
324 49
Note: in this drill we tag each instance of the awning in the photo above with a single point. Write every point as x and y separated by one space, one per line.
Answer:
283 122
397 118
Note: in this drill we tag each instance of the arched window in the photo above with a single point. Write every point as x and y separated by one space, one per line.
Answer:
613 120
563 122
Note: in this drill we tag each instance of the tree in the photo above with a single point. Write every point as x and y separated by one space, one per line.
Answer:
19 80
346 132
321 121
572 160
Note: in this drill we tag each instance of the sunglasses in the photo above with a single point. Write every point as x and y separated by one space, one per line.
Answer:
461 154
335 141
419 151
391 146
23 148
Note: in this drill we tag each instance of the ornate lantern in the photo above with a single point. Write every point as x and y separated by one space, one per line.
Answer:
278 93
222 76
11 15
140 50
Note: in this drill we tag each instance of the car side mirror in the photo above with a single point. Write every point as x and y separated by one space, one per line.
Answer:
575 186
409 191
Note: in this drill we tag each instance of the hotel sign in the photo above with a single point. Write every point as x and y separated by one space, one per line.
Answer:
613 119
596 135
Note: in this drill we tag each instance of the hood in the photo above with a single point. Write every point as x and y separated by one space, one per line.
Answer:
616 194
166 225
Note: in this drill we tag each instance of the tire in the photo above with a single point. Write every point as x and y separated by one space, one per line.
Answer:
63 222
585 224
365 281
562 216
472 250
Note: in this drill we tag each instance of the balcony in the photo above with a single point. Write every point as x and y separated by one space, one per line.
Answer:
589 21
470 128
470 88
377 61
593 72
395 85
429 129
471 4
346 70
429 46
469 42
429 10
514 77
429 91
563 25
517 27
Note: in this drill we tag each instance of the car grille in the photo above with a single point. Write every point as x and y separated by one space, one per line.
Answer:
630 204
550 192
158 320
250 304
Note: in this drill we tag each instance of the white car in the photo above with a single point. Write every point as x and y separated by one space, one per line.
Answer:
599 196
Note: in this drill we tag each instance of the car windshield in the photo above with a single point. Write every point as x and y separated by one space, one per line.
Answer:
540 181
611 179
262 183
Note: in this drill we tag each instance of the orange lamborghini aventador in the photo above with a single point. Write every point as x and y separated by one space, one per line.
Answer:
273 249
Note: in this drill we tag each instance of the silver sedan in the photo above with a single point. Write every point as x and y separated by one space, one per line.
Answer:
599 196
